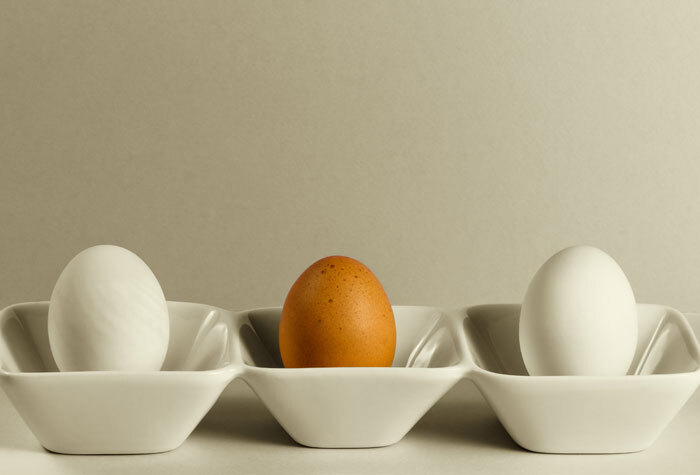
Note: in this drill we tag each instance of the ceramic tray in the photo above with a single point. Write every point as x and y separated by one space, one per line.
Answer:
109 412
582 414
123 412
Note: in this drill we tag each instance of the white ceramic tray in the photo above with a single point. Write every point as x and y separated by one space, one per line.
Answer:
582 414
108 412
119 412
355 407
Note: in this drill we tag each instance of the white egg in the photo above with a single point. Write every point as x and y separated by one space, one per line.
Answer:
108 312
579 316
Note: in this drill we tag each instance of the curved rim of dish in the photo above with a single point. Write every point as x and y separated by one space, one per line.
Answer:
231 369
629 378
466 366
461 367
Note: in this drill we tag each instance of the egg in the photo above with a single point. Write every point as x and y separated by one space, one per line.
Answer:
337 314
108 313
578 316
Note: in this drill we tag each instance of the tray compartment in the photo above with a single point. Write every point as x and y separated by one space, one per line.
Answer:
354 407
580 414
104 412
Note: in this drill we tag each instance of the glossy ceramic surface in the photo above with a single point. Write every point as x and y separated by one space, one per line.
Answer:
354 407
113 412
131 412
581 414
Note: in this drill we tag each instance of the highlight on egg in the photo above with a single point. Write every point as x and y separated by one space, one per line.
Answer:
337 314
579 316
108 313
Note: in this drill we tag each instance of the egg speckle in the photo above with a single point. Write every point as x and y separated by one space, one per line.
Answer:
337 314
578 316
108 312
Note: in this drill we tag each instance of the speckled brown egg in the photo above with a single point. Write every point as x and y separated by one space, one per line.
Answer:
337 314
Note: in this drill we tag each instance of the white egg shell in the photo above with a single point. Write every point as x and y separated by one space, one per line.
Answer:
108 312
579 316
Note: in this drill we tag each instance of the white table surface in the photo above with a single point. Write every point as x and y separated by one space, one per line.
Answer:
460 434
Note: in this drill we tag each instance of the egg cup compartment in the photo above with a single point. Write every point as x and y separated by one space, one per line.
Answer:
352 406
115 412
582 414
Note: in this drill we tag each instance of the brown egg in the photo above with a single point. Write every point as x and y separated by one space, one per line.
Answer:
337 314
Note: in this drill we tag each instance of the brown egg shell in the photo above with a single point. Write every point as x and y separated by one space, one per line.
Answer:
337 314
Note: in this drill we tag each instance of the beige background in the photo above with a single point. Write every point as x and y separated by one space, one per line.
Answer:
452 146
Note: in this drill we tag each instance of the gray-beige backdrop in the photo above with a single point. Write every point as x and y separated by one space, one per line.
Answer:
452 146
